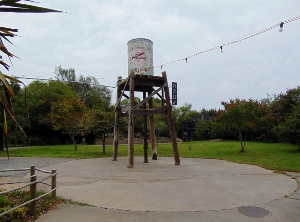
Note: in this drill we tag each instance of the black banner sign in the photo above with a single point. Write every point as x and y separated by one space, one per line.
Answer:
174 93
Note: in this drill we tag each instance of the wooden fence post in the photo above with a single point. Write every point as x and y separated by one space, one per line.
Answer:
32 170
53 184
33 195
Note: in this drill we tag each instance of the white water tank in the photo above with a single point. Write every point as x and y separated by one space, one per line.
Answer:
140 56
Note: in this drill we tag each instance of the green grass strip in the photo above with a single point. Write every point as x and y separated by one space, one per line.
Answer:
279 157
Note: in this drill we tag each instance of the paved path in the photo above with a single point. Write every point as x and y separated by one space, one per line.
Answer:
197 190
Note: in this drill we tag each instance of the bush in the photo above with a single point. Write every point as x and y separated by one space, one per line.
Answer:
6 203
15 198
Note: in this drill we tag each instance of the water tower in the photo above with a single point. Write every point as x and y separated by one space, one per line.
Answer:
141 79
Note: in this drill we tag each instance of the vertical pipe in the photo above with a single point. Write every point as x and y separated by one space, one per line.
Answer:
171 122
145 131
131 122
152 131
53 183
33 196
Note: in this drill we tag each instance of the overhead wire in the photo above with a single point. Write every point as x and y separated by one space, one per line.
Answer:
67 81
221 47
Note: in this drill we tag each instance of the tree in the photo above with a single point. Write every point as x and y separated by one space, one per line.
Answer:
283 104
242 116
184 113
39 98
94 95
161 126
206 130
286 108
67 115
100 123
289 130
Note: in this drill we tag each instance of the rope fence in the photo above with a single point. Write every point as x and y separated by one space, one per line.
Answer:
32 184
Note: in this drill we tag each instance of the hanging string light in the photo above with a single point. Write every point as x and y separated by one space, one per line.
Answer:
281 27
234 41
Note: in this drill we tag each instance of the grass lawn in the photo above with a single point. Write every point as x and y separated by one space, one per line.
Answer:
279 157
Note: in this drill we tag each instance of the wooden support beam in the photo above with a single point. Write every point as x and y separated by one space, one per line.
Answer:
127 97
131 123
161 97
171 122
119 98
145 131
117 126
149 97
148 81
150 112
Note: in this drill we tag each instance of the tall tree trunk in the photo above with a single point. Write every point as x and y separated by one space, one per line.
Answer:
74 142
103 144
241 141
1 141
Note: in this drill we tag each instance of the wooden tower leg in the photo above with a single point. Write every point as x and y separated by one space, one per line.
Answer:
131 122
117 126
145 131
171 122
152 132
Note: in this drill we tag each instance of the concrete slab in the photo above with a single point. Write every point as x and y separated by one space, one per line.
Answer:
197 190
26 162
71 213
160 186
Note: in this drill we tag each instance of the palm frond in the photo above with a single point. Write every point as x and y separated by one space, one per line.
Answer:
13 6
6 66
7 32
25 99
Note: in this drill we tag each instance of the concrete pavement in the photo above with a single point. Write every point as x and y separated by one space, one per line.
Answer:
197 190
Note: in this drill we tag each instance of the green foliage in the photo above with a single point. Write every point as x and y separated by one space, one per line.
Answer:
39 96
284 103
88 89
99 123
289 130
161 126
286 109
15 198
9 201
184 113
243 116
207 130
67 115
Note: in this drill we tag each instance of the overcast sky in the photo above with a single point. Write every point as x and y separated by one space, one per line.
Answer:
92 38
